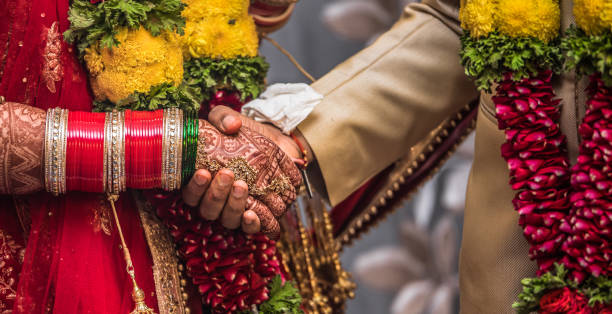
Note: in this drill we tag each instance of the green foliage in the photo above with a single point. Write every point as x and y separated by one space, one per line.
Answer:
598 290
202 77
243 74
284 299
534 289
589 54
161 96
488 59
98 24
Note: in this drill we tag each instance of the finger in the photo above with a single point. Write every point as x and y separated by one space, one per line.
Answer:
289 194
275 204
269 224
250 222
235 206
225 119
193 191
291 170
216 195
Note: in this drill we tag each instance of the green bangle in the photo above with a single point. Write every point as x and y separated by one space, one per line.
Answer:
190 145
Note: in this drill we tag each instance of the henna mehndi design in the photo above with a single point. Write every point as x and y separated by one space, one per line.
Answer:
270 174
21 148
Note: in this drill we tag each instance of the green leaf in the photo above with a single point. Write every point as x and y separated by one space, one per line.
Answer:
488 59
589 54
284 299
597 290
96 25
243 74
160 96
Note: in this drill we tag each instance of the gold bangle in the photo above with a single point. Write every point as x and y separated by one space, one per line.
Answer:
55 150
172 149
114 152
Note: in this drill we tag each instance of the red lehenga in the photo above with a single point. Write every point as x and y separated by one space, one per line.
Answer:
62 254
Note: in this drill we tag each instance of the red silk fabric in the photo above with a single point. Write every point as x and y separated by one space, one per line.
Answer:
71 265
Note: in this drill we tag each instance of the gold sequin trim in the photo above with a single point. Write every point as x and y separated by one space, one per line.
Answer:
171 296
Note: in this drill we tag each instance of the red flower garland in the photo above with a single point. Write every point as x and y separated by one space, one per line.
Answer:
587 246
230 268
535 150
566 219
564 300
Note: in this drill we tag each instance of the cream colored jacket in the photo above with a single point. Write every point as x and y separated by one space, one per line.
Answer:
384 101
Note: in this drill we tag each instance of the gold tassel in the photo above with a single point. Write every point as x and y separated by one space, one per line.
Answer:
138 295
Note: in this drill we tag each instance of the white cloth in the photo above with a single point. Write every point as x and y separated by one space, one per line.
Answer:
283 105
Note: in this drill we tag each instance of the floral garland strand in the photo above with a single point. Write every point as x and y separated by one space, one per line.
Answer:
233 271
535 150
513 44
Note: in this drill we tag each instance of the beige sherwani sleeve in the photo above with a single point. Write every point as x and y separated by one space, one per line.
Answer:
389 96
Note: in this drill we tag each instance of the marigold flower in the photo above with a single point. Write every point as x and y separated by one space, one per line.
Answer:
606 15
477 16
590 15
527 18
219 29
139 62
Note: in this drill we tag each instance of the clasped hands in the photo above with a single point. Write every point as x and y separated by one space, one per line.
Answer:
262 159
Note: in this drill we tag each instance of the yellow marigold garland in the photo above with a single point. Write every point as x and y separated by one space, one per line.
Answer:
477 16
515 18
138 63
509 36
219 29
588 15
528 18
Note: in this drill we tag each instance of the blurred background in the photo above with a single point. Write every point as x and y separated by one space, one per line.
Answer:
408 263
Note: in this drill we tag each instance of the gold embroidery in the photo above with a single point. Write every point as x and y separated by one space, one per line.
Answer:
9 249
52 70
309 254
400 184
101 218
170 294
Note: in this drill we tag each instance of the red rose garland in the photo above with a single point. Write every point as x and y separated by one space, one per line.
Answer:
587 246
565 215
535 150
230 268
564 300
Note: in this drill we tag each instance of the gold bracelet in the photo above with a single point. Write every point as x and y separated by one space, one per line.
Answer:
172 149
55 150
114 152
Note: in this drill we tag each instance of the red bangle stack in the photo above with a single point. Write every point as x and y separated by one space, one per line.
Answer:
85 152
143 148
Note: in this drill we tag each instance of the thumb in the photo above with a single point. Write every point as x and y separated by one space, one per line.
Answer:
225 119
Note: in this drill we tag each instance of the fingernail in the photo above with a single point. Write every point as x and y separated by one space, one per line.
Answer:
200 179
225 180
227 122
249 221
239 191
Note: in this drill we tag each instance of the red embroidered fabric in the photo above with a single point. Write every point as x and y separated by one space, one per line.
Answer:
72 263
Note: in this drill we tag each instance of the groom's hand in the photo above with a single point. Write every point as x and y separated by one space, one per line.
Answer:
221 194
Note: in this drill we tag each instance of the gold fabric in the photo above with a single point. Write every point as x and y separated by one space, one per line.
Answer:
386 98
389 97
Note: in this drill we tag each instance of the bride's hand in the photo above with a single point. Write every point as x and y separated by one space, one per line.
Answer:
246 159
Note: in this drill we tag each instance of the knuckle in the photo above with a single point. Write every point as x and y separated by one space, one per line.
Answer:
217 196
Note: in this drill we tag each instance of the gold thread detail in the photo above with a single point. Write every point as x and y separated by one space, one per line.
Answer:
166 266
369 218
